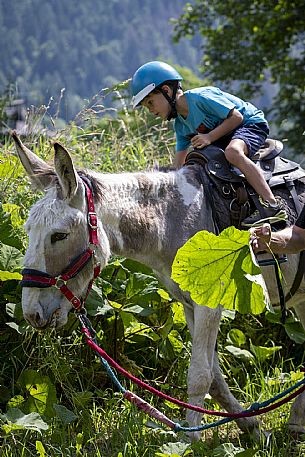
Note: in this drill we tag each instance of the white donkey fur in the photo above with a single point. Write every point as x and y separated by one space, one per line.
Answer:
144 216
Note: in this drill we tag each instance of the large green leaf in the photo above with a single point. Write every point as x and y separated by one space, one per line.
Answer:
263 353
236 337
96 304
177 449
239 353
18 420
8 276
221 270
64 414
8 234
229 450
10 259
40 393
295 332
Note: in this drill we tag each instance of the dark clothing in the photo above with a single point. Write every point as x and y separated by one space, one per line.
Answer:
300 222
253 135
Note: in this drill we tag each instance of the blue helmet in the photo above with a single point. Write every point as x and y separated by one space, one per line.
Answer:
148 77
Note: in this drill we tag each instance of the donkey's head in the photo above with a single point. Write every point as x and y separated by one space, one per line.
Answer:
58 233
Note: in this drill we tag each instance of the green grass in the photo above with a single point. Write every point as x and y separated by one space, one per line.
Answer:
106 425
96 420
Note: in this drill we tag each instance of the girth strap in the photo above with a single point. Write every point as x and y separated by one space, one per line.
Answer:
298 277
291 187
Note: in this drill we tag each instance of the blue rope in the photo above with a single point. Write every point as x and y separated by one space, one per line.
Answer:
111 374
178 428
254 407
85 322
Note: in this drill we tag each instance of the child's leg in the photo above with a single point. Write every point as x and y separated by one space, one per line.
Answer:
236 153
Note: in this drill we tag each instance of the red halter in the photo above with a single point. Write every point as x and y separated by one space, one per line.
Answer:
41 279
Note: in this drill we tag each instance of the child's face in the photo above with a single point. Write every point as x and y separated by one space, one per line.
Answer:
157 104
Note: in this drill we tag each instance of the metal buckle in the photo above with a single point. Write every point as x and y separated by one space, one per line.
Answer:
226 190
76 302
60 282
92 220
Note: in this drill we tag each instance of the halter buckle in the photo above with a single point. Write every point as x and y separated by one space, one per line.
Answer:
92 220
60 282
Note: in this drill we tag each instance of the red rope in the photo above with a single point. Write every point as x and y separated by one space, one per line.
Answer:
180 403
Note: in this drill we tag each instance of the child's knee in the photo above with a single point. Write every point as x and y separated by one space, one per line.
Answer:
234 155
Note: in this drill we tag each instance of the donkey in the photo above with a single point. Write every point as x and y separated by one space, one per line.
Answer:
146 216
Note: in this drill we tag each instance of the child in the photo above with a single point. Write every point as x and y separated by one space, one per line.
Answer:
216 117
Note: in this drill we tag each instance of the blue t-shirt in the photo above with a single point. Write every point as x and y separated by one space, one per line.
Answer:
210 106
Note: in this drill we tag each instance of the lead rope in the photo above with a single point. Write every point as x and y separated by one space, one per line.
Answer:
255 409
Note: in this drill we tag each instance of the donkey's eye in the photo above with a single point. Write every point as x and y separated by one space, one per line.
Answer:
58 236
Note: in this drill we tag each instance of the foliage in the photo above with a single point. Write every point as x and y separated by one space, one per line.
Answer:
221 270
68 51
269 36
56 399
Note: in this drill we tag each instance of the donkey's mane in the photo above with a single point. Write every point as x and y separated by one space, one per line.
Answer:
100 181
51 175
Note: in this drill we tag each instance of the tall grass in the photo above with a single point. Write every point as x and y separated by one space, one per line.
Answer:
94 419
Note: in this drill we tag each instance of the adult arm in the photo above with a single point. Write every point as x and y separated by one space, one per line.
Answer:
290 240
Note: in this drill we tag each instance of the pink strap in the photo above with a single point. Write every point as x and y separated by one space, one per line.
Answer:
148 409
91 217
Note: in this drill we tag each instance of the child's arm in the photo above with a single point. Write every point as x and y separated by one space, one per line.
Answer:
180 158
201 140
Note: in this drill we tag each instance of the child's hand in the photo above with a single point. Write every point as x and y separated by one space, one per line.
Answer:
201 140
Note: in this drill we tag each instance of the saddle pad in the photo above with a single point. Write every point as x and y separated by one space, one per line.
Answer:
276 171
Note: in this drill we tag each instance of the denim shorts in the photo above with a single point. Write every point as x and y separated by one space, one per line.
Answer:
253 135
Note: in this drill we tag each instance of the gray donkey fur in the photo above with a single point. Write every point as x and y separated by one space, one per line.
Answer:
145 216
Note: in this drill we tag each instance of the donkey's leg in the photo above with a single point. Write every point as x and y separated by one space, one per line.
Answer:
220 392
203 324
296 419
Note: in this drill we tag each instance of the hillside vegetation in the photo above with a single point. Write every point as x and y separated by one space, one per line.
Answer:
55 397
84 46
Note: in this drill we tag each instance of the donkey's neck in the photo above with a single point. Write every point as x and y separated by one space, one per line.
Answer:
128 209
143 212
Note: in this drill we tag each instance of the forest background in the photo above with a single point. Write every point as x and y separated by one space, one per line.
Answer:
84 47
70 51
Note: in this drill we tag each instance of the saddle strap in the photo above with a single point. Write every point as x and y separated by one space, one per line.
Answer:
208 190
256 200
298 277
281 293
291 187
239 206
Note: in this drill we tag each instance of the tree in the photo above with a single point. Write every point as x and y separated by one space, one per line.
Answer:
256 43
84 47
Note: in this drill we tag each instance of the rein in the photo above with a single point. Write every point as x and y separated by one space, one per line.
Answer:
41 279
255 409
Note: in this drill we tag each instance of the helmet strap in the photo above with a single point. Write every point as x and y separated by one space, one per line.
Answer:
171 100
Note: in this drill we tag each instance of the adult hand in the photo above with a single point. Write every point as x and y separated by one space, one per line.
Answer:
200 140
260 237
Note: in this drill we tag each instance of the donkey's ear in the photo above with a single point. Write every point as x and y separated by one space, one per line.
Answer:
65 171
40 173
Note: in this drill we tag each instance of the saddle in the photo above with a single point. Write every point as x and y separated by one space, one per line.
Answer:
278 172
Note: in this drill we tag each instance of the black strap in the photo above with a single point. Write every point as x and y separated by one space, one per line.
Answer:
291 187
281 293
208 190
298 277
171 100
